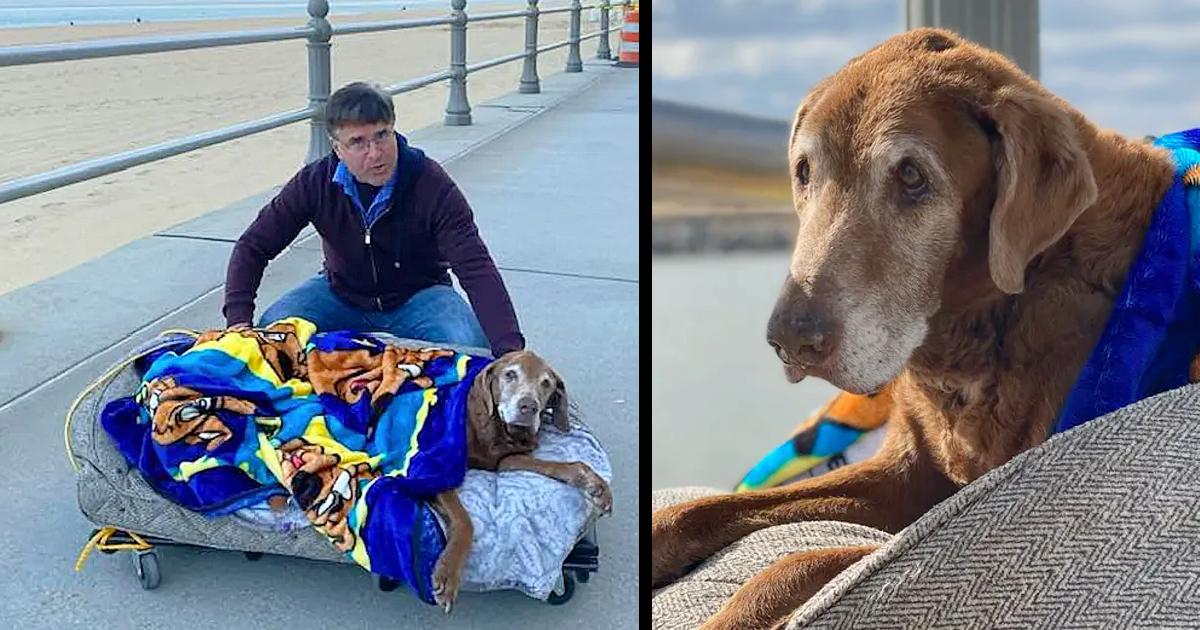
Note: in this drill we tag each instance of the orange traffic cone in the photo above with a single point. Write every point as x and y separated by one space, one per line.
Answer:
628 55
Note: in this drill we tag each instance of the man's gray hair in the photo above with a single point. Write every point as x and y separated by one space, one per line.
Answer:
358 103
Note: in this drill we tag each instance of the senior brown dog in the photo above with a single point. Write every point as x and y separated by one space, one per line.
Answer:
505 407
963 234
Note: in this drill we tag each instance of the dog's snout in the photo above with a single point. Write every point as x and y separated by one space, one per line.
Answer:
800 333
527 406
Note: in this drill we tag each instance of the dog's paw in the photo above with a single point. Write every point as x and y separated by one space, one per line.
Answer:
595 489
600 495
446 581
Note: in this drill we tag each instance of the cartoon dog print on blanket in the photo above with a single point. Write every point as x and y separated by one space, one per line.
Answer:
410 364
181 413
323 487
280 346
349 374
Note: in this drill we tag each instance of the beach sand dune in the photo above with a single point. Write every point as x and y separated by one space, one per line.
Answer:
61 113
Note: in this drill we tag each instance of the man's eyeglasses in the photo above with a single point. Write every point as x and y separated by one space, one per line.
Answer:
361 144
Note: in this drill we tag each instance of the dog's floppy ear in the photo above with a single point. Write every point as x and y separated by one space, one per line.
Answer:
482 397
1043 180
558 404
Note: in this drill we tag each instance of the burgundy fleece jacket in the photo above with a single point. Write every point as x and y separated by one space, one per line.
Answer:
428 229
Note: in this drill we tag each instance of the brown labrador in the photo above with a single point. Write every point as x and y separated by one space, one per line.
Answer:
505 407
963 234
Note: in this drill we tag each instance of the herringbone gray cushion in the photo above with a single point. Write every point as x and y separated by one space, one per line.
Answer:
689 602
1097 528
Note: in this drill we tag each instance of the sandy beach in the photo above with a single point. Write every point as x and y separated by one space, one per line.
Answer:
58 114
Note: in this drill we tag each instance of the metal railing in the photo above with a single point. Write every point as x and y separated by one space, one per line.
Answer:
319 32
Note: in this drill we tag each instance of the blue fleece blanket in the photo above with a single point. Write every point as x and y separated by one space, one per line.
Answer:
1153 333
359 433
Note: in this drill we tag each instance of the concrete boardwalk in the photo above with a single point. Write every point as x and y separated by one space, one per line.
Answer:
553 181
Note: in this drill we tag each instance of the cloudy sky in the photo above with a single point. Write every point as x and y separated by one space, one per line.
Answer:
1130 66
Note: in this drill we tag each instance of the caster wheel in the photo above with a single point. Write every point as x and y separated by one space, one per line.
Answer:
145 563
254 555
582 576
386 584
565 590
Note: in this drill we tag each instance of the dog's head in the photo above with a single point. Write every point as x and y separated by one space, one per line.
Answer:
519 389
926 174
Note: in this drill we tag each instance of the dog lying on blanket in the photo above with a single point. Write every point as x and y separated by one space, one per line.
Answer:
504 410
968 237
329 420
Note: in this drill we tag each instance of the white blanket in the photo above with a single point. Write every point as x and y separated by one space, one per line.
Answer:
525 523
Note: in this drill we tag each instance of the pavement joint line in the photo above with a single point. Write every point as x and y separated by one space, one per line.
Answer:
568 274
517 108
190 237
61 375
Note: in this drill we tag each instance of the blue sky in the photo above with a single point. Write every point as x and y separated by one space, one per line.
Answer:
1128 65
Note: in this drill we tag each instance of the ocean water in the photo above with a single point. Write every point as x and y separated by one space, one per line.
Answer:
28 13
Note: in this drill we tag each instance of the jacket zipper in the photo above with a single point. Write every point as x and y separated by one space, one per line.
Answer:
374 271
370 253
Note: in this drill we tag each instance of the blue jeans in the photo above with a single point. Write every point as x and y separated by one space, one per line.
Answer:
437 313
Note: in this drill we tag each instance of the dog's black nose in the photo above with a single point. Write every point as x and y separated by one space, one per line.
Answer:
803 345
527 406
800 334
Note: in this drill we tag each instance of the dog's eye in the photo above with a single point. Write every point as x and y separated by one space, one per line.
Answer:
911 177
545 383
802 172
510 375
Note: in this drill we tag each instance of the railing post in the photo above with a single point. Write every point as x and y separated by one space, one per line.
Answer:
529 76
604 52
458 110
1006 26
574 63
318 79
